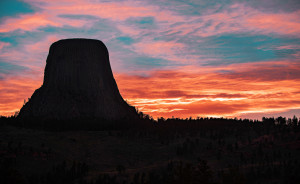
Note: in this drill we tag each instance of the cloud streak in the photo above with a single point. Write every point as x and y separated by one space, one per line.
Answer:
238 18
247 88
170 58
13 92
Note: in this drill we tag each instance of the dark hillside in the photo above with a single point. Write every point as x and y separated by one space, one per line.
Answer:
206 150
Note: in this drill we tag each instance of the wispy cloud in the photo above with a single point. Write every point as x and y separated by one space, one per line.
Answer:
3 44
235 19
13 92
256 87
181 58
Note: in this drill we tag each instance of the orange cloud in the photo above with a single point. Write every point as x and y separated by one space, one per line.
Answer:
13 92
247 88
228 91
232 90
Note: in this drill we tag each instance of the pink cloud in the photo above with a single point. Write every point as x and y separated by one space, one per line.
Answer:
30 22
244 88
159 47
36 52
282 23
3 44
27 22
237 18
168 50
288 47
111 10
30 54
41 45
241 19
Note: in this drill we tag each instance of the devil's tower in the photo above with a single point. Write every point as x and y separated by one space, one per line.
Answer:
78 83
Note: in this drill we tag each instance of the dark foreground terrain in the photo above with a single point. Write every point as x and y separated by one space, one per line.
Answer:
153 152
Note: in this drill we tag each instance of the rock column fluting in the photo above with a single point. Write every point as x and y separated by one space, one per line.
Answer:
78 83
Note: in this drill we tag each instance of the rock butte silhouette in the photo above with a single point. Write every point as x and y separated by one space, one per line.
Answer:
78 83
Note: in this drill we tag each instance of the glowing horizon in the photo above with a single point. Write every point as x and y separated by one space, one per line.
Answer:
169 58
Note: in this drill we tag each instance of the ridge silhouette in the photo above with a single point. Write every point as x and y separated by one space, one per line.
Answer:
78 83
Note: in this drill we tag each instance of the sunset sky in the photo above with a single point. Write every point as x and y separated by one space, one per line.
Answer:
178 58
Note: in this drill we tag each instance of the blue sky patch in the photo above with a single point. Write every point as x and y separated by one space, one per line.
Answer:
246 48
150 62
13 8
8 68
126 40
84 17
142 22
